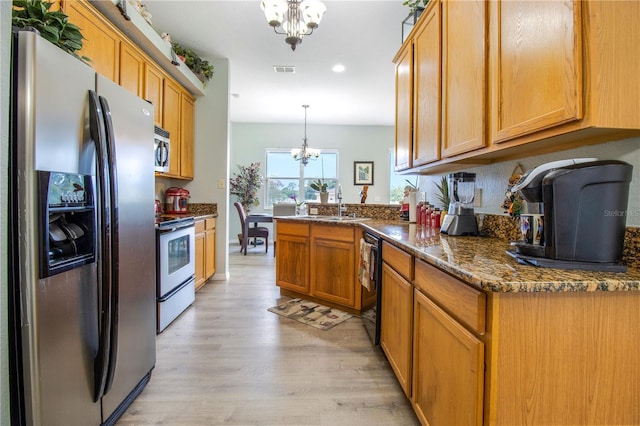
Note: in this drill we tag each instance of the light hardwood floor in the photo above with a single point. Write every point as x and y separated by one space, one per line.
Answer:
227 360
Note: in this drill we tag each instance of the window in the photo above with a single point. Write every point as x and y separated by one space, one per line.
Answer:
397 182
287 178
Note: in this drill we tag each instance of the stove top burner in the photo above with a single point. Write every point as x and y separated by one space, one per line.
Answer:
166 221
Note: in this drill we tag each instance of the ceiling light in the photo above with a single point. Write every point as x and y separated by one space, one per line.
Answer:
338 68
305 153
296 18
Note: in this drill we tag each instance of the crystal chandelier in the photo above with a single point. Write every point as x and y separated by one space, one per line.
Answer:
296 18
305 153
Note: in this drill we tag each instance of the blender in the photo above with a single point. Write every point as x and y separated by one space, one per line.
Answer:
460 219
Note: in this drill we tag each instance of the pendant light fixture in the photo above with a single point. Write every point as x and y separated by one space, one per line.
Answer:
305 153
294 18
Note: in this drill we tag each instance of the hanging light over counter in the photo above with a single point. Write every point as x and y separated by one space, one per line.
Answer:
305 153
294 18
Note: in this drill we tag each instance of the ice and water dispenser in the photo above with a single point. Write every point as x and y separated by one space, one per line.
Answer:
67 222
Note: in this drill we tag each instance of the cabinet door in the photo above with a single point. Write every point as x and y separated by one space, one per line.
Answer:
153 90
171 123
131 69
448 368
292 263
463 76
404 97
396 324
200 260
210 253
101 43
537 66
333 271
187 111
426 91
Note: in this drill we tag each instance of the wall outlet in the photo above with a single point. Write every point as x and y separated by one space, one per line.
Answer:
220 183
313 210
477 198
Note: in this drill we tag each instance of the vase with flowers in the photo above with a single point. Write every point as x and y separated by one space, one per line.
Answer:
245 184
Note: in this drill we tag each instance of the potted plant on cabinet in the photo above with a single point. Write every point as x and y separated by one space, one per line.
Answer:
54 26
321 187
201 68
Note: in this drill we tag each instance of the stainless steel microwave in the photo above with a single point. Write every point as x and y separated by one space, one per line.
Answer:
161 149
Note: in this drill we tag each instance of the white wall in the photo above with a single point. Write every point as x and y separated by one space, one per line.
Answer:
493 178
5 61
354 143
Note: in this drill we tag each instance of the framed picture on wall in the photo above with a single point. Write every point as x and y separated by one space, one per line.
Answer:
363 172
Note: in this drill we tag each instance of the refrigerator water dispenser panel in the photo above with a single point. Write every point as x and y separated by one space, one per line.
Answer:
67 222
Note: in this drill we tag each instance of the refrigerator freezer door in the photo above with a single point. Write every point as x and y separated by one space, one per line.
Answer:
133 126
58 314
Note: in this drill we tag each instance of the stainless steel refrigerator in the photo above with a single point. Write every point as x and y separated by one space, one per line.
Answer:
82 240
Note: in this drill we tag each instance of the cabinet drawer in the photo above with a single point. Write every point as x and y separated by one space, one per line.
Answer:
210 223
399 260
463 302
290 228
199 226
334 232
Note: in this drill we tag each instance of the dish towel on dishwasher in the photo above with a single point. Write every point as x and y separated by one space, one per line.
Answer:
364 271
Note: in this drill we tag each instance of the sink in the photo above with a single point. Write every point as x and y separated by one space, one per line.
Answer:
336 218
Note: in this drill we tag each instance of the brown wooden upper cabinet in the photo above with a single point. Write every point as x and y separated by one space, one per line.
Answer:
464 59
537 76
131 69
113 55
404 107
102 41
517 78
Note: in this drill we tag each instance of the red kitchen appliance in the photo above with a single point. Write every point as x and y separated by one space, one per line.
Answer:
177 200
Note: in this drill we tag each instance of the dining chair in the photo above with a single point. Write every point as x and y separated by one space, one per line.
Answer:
252 232
281 209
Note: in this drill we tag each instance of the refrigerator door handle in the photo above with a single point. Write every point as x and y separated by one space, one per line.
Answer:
112 168
98 134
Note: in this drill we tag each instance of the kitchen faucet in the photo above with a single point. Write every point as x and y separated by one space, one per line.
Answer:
341 208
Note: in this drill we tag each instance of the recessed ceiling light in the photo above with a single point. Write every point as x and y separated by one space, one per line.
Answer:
338 68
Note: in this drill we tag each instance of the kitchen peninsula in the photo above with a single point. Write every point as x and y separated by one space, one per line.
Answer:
476 338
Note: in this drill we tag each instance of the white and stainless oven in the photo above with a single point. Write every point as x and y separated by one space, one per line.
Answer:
175 277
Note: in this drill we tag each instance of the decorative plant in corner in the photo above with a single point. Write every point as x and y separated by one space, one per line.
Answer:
443 193
415 4
201 68
54 26
245 184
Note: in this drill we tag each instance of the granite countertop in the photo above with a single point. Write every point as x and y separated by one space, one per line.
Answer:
484 263
332 220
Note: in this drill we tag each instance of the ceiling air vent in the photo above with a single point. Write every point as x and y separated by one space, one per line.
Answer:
284 68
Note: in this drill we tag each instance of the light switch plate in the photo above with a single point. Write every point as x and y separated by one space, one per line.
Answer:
220 183
477 198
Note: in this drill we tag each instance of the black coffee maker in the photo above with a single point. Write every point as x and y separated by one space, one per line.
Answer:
584 204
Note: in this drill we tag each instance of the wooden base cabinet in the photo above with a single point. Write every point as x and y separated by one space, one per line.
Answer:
320 262
205 250
397 312
397 325
448 368
292 256
333 270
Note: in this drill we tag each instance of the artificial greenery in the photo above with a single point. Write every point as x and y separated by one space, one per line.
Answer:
53 26
443 193
415 4
201 68
245 185
319 185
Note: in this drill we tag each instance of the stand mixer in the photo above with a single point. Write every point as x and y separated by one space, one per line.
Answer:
460 219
